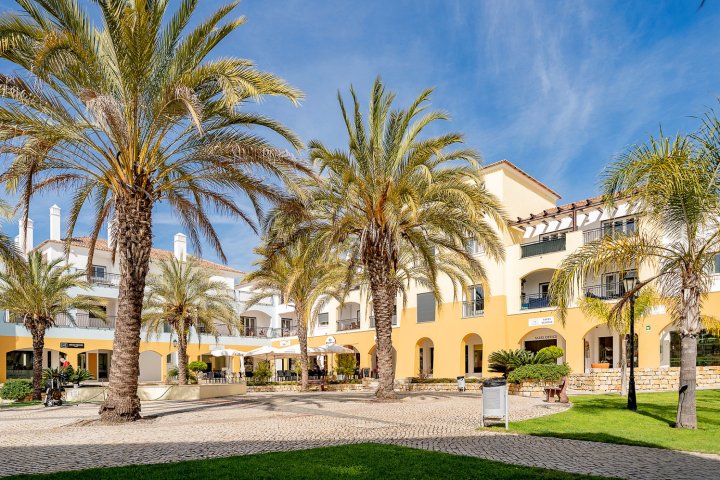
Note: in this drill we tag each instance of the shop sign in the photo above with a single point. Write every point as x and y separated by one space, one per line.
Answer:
543 337
71 345
284 343
330 341
536 322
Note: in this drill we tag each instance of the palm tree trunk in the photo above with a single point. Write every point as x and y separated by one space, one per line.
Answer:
182 358
302 337
134 241
38 340
689 329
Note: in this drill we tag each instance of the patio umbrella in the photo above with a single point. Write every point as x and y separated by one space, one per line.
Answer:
229 352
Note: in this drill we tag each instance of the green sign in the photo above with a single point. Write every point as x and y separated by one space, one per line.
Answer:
647 327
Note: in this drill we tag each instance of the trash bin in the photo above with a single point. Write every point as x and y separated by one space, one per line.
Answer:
461 384
495 400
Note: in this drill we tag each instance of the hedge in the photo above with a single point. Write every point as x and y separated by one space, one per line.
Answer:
539 372
16 389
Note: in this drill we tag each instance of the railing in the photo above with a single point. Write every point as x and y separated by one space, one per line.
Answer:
534 300
243 296
105 280
600 233
372 321
287 331
348 324
473 309
542 247
607 291
84 320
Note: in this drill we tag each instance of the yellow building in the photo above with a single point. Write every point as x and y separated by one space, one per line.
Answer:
513 310
447 340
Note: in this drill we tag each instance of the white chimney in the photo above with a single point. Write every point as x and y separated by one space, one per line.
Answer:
55 223
26 238
180 246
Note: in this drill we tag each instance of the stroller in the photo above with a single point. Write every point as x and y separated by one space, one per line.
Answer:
54 390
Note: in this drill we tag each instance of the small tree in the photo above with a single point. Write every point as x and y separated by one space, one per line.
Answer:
262 372
346 364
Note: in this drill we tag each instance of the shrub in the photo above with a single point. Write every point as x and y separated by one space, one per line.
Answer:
346 364
551 353
539 372
197 366
80 375
17 389
505 361
191 377
262 372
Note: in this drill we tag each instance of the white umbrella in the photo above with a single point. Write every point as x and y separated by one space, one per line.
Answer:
331 348
229 352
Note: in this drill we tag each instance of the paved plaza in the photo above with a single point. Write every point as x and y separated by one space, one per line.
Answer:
37 439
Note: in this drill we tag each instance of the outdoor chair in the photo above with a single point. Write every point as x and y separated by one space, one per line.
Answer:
560 392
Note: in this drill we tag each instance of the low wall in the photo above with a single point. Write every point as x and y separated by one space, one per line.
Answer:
161 392
340 387
530 389
646 379
436 387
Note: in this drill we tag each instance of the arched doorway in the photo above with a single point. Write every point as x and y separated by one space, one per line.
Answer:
19 363
150 367
356 352
540 338
472 352
424 357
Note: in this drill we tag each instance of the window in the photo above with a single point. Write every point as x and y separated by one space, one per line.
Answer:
98 271
477 359
476 302
716 265
544 289
708 349
473 247
323 319
619 226
425 307
627 350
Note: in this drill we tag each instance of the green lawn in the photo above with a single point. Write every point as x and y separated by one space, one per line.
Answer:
604 418
20 404
366 461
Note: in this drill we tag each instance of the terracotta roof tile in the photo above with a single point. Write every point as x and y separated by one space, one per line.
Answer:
155 253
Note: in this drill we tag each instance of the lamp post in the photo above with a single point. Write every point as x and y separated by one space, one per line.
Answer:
630 281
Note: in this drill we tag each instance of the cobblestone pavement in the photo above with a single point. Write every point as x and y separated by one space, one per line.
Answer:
36 439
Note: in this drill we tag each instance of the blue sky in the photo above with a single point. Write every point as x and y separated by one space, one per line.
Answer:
557 88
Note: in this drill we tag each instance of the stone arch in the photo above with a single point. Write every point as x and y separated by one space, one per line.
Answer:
472 355
539 338
424 357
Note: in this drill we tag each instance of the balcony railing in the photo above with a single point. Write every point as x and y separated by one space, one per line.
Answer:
372 321
607 291
103 280
600 233
534 300
348 324
473 309
542 247
286 331
84 320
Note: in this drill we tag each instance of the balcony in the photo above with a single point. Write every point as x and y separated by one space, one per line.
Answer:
346 324
372 321
473 309
599 233
542 247
243 331
607 291
534 300
84 320
102 280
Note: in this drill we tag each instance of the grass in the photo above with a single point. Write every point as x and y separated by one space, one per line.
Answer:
20 404
605 418
364 461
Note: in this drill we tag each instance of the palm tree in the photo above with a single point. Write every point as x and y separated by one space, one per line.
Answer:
619 321
676 183
129 114
37 292
306 276
184 296
9 253
395 190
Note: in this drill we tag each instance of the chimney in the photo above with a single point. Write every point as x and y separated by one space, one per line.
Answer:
25 238
55 223
180 246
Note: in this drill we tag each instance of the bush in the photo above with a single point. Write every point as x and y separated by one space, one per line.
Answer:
17 389
197 366
346 364
262 372
191 376
505 361
550 372
80 375
551 353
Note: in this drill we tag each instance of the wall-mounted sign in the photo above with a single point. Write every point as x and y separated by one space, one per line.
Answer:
536 322
543 337
330 341
285 343
71 345
647 327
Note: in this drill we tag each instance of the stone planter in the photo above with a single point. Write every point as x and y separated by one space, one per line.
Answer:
530 389
646 379
600 365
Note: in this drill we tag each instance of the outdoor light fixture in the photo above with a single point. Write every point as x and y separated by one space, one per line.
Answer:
630 281
174 342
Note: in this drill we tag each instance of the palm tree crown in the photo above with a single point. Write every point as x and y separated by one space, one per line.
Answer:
185 297
397 190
